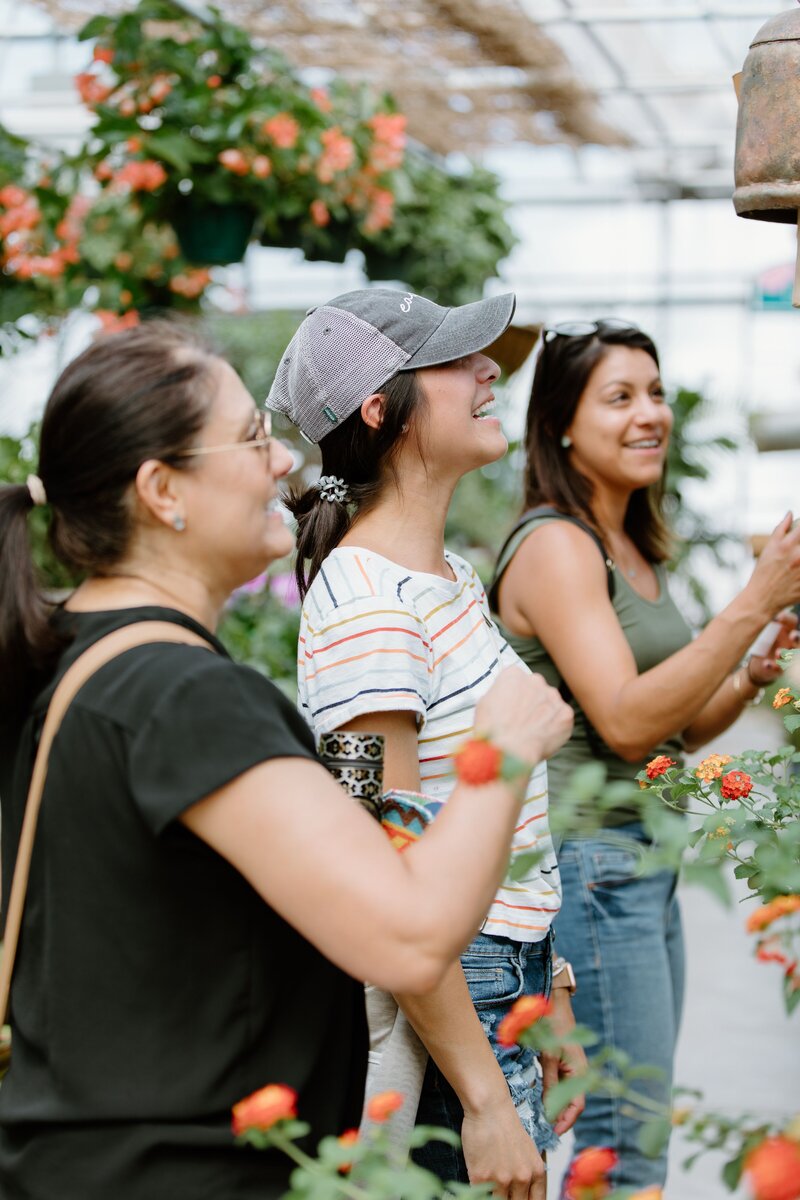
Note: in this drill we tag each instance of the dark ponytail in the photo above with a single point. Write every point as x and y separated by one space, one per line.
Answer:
141 394
26 637
360 456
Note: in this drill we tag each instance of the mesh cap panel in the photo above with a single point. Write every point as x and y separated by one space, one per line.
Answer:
333 362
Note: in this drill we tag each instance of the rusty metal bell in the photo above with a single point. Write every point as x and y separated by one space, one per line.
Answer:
767 169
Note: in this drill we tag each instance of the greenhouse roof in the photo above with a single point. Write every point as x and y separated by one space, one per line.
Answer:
573 99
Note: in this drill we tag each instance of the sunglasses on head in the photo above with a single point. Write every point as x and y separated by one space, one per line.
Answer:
586 328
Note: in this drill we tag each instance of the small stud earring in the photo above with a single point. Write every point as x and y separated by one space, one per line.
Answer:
404 428
566 441
178 523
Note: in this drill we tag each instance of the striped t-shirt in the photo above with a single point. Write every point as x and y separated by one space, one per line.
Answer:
376 637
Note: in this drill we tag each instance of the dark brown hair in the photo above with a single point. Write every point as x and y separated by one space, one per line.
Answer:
141 394
360 456
562 373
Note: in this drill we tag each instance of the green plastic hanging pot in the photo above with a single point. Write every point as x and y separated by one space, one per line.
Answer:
212 235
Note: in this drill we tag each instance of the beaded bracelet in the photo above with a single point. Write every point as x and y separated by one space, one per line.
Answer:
480 761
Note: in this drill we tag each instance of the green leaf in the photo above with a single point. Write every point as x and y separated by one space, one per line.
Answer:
585 782
422 1134
94 28
560 1094
732 1172
792 723
654 1135
709 876
178 149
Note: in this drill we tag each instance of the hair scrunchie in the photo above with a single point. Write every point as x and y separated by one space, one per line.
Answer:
36 490
332 488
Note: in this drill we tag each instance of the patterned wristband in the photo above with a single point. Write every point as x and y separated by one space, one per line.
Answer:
480 761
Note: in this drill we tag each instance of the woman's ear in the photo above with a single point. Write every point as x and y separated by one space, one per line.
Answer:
156 491
372 410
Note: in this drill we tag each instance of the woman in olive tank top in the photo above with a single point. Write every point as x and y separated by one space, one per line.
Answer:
582 595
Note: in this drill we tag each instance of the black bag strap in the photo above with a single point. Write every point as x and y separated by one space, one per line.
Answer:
511 544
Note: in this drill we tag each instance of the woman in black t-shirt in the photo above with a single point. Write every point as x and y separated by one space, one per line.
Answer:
202 895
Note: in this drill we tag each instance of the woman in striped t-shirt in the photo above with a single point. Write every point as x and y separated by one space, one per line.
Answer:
396 638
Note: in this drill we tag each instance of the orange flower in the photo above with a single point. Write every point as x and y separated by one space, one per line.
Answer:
234 160
103 54
781 697
133 145
264 1108
711 767
283 130
90 89
651 1193
381 211
386 152
478 762
381 1106
12 196
214 81
261 167
348 1138
781 906
773 1169
141 176
319 213
44 266
587 1174
338 154
190 284
112 322
127 107
736 785
523 1013
159 89
658 765
123 261
321 99
24 216
769 950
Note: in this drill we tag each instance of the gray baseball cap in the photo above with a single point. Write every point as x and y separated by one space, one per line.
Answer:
347 349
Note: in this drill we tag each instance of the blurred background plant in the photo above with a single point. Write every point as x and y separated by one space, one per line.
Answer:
691 457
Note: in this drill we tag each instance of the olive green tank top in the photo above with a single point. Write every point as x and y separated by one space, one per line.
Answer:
654 629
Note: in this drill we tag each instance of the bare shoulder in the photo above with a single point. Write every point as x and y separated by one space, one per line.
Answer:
562 549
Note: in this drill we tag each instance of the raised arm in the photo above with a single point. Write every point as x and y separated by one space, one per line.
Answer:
324 865
555 588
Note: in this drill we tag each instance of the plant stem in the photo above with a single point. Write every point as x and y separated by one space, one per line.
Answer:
302 1159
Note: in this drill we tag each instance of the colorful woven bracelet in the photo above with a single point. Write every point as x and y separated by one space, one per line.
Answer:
480 761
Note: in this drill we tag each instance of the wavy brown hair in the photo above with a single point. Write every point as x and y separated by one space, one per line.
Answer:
562 372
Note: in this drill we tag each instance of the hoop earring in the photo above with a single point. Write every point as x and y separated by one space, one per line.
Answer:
566 441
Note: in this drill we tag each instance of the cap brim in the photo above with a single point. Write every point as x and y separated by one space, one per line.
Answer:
465 330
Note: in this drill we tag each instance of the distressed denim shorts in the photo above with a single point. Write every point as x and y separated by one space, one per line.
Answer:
498 971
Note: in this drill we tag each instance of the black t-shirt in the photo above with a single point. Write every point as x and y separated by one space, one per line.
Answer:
153 987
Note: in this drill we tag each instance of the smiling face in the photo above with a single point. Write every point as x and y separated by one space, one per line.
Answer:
228 492
457 431
620 430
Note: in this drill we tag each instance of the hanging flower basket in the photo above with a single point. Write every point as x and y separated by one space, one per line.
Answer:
213 235
319 244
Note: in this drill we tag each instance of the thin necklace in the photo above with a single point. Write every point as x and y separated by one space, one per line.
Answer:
156 587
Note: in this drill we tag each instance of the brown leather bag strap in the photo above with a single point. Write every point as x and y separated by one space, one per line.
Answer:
101 652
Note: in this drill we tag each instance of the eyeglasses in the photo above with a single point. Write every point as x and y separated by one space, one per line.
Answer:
259 434
585 328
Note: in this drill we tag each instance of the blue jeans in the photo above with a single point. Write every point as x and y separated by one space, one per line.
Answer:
622 933
498 972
